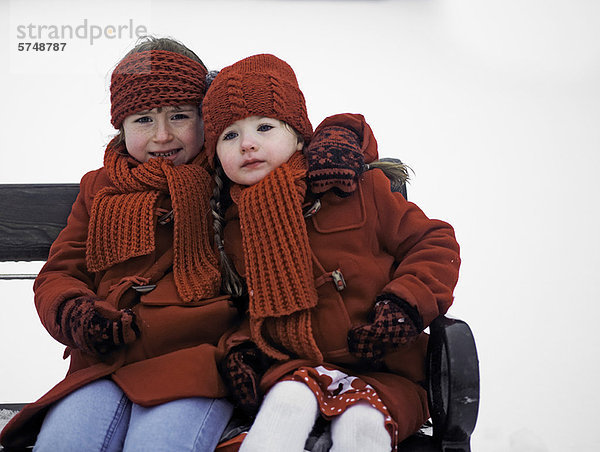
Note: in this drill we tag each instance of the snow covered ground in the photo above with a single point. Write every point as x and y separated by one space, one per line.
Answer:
494 104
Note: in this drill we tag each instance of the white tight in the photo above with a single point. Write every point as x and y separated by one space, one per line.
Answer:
284 420
288 413
360 428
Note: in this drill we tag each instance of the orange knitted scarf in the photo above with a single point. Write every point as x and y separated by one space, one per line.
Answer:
123 219
278 262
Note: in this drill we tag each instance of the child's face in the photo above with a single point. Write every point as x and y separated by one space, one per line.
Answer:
175 133
252 147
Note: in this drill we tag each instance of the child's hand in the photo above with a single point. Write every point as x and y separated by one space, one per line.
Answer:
335 160
94 327
242 370
390 327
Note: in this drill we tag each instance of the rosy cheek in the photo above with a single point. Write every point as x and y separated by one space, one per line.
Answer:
229 167
226 163
136 147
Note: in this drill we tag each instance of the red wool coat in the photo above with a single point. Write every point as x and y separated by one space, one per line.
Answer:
381 244
174 357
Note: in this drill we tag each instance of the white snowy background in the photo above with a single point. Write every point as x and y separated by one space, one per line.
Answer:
494 104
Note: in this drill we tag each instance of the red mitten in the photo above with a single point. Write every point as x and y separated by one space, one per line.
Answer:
95 328
335 160
337 153
394 322
242 369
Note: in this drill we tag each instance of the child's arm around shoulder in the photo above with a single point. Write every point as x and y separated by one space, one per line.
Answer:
337 153
425 249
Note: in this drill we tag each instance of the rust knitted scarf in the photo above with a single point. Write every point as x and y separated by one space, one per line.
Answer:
123 220
278 262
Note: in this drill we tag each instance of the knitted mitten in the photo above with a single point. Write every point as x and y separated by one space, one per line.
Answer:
335 160
95 328
393 323
242 370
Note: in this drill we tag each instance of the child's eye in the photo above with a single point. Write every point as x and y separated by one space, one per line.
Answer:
179 116
143 119
229 136
264 127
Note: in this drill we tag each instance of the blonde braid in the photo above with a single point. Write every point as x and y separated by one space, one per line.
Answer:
396 171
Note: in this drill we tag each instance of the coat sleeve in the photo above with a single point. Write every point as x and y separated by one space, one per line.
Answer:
235 336
425 250
65 274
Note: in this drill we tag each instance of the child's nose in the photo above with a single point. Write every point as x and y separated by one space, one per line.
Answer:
163 131
249 144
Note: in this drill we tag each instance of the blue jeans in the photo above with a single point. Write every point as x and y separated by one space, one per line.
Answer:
100 417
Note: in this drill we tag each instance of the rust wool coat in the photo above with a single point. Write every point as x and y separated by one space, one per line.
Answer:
175 355
381 244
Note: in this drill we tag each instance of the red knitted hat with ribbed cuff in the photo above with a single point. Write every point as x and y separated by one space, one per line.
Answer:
260 85
154 78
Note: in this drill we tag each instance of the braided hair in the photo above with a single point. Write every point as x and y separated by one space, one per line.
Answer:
231 282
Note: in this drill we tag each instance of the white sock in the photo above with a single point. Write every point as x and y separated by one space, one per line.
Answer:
360 428
284 421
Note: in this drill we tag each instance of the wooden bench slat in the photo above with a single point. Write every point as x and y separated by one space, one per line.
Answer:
31 217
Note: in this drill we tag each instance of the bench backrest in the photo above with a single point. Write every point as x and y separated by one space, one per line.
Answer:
31 216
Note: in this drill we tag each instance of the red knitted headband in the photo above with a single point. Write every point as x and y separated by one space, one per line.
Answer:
261 85
154 78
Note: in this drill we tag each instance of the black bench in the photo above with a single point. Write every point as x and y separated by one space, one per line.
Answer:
32 215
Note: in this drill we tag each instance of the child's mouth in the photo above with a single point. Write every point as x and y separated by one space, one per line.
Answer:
165 153
251 163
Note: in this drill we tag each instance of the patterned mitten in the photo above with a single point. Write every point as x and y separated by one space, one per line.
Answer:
94 327
335 160
242 370
394 322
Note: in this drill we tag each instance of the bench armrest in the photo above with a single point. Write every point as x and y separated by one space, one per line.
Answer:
453 383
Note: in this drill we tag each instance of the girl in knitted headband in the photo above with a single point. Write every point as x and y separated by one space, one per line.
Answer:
339 289
131 285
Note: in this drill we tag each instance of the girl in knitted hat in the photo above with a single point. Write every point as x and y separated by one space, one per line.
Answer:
132 284
339 289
